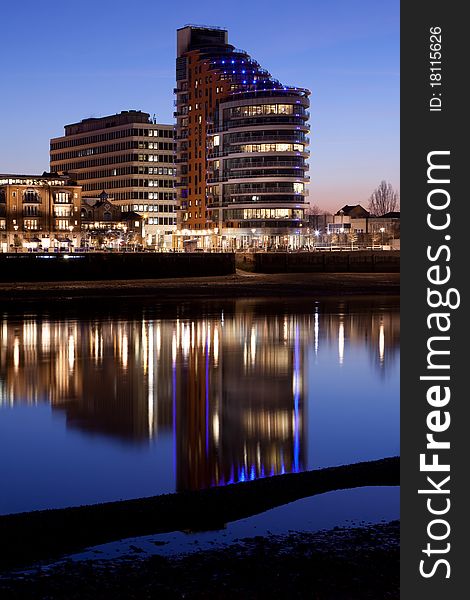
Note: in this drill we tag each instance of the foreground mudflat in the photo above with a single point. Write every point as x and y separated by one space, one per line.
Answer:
29 537
340 564
242 284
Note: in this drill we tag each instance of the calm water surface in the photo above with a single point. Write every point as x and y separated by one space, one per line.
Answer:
109 403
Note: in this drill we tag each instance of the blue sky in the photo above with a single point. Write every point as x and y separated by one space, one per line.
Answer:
65 61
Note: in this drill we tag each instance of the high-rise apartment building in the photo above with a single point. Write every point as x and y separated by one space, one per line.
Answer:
241 147
131 158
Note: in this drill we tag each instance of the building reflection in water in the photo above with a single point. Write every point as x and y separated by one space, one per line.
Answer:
230 387
239 399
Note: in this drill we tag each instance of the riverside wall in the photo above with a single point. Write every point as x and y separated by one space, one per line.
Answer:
320 262
105 266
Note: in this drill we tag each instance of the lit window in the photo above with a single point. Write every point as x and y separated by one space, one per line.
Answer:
62 224
31 223
62 197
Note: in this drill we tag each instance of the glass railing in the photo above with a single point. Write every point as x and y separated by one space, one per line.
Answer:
296 120
269 93
267 138
249 164
235 150
262 174
264 190
293 174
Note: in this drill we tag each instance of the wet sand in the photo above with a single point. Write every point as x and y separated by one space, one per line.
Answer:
240 285
339 564
48 534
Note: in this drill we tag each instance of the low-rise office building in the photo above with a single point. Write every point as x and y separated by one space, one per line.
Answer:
131 157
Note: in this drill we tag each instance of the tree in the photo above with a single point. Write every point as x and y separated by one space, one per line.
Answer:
383 200
314 209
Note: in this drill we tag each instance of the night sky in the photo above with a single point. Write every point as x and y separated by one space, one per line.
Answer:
65 61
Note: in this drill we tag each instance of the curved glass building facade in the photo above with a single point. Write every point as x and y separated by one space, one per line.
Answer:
242 145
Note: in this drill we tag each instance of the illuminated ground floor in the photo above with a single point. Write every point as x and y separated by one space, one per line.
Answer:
16 241
229 239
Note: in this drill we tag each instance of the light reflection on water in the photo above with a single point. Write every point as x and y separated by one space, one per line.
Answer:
155 401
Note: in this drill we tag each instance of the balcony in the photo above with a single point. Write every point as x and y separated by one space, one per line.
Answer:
289 137
264 202
248 164
264 190
32 215
232 177
270 153
270 120
210 130
271 93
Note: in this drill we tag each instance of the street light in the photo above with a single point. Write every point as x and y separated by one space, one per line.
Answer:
125 237
317 233
71 241
15 240
382 229
253 231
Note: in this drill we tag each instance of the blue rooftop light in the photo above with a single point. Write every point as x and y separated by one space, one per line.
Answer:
233 62
223 62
